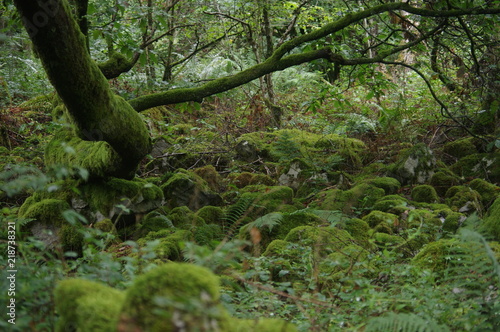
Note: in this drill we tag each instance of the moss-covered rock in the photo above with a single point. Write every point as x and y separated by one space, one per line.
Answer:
359 230
210 175
392 204
241 180
182 217
172 295
460 148
105 196
443 180
414 166
424 193
435 255
489 192
169 246
208 235
374 218
479 165
360 196
323 240
390 185
188 189
491 222
85 305
463 199
210 214
49 225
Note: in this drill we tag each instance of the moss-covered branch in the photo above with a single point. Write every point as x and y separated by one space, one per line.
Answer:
279 61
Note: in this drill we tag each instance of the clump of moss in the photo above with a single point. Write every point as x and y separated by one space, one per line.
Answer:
463 199
169 247
85 305
390 185
489 192
210 175
171 294
152 222
480 165
188 189
208 235
393 204
360 196
434 256
415 165
359 230
322 240
376 217
183 217
210 214
460 148
442 181
491 222
424 193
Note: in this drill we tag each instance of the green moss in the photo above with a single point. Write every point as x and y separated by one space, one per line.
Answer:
105 225
385 240
442 181
491 222
97 157
489 192
189 189
208 235
392 204
173 292
46 211
210 175
154 221
434 256
481 165
376 217
183 217
169 247
276 248
414 165
460 148
85 305
463 199
390 185
259 325
211 214
424 193
322 240
71 238
360 196
359 230
137 194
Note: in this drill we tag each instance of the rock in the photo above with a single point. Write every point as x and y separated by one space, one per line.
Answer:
415 165
188 189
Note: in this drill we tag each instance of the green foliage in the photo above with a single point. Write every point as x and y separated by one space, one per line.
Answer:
403 322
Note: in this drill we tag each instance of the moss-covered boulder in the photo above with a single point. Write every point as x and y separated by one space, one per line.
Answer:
394 204
463 199
84 305
479 165
443 180
113 196
188 189
424 193
169 243
390 185
359 230
172 296
488 191
210 214
374 218
323 240
45 221
211 176
414 166
461 147
435 256
302 177
182 217
491 222
361 196
266 199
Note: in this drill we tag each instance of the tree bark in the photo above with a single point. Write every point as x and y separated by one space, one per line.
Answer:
97 114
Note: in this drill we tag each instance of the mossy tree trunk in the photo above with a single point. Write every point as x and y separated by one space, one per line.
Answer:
96 112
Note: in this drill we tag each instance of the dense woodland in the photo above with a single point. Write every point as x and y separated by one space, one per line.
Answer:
250 165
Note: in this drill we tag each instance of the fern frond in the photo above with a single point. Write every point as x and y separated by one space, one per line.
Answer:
267 221
401 322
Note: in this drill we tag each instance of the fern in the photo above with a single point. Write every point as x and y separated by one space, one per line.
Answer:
286 149
267 221
403 323
233 215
